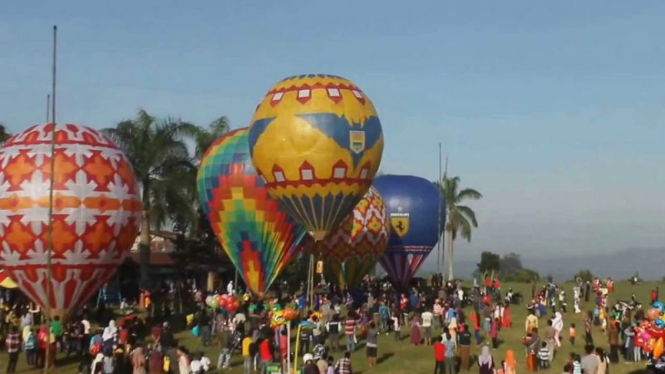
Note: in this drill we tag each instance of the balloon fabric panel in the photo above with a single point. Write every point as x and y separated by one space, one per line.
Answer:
417 216
258 237
96 212
351 250
317 142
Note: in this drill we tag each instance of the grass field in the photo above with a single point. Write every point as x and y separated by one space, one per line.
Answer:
404 358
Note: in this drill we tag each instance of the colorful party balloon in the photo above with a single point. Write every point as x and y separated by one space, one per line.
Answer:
96 212
351 250
417 215
317 142
258 236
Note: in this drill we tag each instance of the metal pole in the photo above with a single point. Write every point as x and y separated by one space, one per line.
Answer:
438 249
50 211
48 108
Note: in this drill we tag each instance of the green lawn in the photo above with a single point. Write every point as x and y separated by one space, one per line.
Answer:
402 357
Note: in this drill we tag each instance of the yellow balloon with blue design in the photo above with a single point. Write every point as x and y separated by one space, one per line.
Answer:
317 142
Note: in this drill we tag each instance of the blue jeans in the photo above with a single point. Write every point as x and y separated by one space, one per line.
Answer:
350 343
224 359
205 334
476 333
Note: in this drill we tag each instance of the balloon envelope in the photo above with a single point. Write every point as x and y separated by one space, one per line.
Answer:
317 142
416 209
351 250
96 212
257 235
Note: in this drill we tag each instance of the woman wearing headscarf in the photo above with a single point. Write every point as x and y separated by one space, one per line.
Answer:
138 361
485 362
557 323
156 362
509 364
109 335
506 320
415 330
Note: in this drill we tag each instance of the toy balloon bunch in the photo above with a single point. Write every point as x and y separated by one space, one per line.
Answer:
229 303
651 332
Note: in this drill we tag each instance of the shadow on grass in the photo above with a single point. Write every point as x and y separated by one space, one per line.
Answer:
384 357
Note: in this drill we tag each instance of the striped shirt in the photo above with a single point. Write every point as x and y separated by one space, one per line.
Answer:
350 327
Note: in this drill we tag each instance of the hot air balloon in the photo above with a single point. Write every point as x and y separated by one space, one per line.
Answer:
317 142
96 213
351 250
258 236
417 215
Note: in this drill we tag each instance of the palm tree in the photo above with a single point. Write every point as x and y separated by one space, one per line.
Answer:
460 219
4 135
165 171
206 136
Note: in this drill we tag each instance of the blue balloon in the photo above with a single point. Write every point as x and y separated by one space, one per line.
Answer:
660 323
417 213
658 305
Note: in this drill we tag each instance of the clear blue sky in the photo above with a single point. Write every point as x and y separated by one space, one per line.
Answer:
553 109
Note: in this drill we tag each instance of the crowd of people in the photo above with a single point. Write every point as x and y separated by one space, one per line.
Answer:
328 329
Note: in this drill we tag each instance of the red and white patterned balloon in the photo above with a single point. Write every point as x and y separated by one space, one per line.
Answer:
96 212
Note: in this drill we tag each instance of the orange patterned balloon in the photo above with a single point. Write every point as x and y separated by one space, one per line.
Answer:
96 212
351 250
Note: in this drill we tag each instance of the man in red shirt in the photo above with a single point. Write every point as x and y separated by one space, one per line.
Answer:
439 356
265 354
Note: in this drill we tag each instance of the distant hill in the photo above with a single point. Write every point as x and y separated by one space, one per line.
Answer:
649 263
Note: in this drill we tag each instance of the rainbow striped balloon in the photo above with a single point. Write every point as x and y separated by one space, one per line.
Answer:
258 236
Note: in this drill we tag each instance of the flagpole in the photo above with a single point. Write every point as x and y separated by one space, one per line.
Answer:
50 209
48 108
438 249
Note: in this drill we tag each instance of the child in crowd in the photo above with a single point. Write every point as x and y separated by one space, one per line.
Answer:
571 334
544 356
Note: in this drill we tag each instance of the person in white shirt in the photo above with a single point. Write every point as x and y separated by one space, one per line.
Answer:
426 318
229 288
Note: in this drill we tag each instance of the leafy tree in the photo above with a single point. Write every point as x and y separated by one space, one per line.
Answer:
165 171
206 136
585 275
523 276
510 264
460 219
4 135
489 262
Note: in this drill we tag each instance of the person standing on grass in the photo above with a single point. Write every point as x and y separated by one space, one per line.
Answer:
372 344
590 362
550 339
572 333
439 356
476 326
415 330
588 337
334 327
603 362
350 332
557 323
464 344
397 328
13 344
451 354
485 361
343 366
613 339
30 347
494 333
427 318
509 363
531 322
